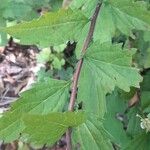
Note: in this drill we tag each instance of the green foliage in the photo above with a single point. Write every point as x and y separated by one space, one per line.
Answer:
49 128
110 75
45 97
59 24
54 58
18 10
115 106
143 55
92 134
3 36
86 5
122 15
143 139
110 66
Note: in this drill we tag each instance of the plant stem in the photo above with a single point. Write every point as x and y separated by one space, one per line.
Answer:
78 70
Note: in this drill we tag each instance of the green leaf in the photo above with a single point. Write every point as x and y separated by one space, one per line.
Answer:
145 101
92 135
133 128
56 4
51 29
147 36
123 15
16 10
146 80
81 40
143 57
115 107
44 55
47 129
136 10
87 6
19 10
141 142
143 54
113 65
3 36
43 98
145 93
105 66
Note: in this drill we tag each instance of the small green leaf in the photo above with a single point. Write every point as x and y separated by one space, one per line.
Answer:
44 55
45 97
53 28
47 129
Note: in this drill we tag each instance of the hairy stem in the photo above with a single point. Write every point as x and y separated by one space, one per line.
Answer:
78 70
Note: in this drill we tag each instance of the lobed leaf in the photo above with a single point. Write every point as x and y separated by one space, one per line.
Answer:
105 66
122 15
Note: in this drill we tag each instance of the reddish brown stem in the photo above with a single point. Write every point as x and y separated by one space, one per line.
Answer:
78 70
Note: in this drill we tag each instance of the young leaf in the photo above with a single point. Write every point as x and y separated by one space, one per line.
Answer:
105 66
91 135
51 29
43 98
47 129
